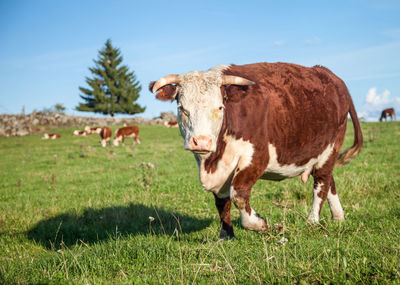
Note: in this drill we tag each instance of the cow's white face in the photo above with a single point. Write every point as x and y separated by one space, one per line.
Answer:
200 104
200 110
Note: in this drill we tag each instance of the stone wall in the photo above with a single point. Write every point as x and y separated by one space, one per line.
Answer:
22 125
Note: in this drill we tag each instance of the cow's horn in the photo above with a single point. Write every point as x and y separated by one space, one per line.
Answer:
235 80
168 79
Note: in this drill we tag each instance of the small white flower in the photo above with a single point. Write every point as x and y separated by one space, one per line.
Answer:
283 240
151 218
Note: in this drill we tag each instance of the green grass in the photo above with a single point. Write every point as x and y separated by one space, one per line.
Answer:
74 212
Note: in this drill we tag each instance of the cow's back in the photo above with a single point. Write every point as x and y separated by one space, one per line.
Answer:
291 107
127 131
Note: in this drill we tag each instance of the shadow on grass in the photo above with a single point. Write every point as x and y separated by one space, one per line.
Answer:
96 225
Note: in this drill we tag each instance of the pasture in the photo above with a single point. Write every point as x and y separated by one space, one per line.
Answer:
74 212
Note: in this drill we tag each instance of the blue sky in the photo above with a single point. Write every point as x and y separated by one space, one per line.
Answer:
47 46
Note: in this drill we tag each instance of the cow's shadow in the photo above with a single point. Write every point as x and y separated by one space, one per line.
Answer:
96 225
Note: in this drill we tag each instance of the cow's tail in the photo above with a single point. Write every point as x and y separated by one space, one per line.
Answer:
350 153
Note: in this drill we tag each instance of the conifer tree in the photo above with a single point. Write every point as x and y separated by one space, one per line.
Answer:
112 89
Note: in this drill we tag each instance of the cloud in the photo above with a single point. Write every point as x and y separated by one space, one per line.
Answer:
375 102
377 99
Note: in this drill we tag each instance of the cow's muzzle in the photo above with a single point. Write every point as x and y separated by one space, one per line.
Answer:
200 144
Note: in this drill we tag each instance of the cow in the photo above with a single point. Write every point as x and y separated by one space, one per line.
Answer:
80 133
126 132
171 124
388 113
92 130
47 136
105 135
263 121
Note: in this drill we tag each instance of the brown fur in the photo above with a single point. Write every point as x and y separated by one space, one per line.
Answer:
80 133
297 109
166 93
387 113
128 131
52 136
105 133
301 111
171 124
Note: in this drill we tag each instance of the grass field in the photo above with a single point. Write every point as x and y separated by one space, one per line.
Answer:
74 212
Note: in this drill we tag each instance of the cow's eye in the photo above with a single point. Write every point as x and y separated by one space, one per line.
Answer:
221 108
184 111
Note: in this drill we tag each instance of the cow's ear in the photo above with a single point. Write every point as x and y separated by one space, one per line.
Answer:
166 93
233 93
151 86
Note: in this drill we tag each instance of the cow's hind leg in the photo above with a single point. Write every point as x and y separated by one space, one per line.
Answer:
224 210
324 188
321 188
334 203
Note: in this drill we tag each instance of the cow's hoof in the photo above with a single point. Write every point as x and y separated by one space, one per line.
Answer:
313 219
264 226
226 237
255 223
226 233
338 217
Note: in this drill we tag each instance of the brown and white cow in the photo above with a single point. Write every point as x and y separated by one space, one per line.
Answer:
263 121
105 135
388 113
171 124
80 133
47 136
126 132
92 130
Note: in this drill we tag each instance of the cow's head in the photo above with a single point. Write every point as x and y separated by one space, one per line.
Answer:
200 104
117 140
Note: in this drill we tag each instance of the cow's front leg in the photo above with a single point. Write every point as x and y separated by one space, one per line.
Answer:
240 196
224 210
250 219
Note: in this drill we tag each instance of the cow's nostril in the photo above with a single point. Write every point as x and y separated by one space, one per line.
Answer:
195 141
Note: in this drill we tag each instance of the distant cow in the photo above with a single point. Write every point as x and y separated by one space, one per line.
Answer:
105 135
263 121
80 133
126 132
47 136
387 113
171 124
92 130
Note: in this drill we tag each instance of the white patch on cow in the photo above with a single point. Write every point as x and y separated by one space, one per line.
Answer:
117 140
293 170
335 206
315 209
251 222
103 143
237 154
200 105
